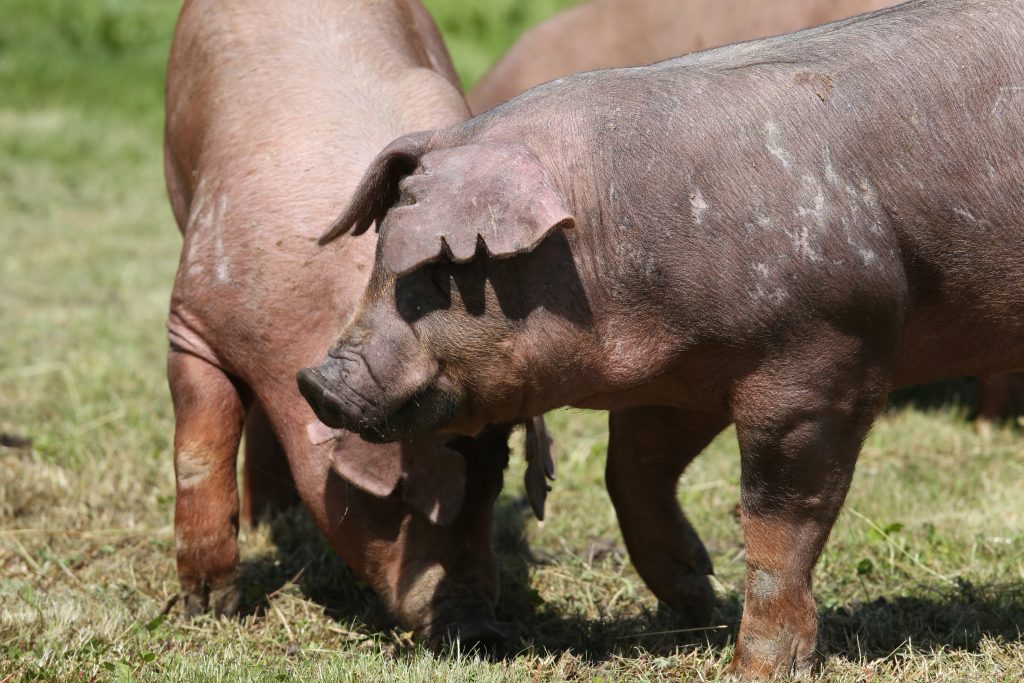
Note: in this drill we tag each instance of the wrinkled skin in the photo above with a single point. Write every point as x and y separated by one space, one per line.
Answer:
274 110
772 234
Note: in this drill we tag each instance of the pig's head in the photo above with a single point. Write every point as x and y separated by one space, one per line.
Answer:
413 520
475 312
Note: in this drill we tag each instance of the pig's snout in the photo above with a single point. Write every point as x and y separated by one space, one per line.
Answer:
384 385
326 389
316 389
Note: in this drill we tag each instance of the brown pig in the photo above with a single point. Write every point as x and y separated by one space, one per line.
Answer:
606 33
274 110
772 234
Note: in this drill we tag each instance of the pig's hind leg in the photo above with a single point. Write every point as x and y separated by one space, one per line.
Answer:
649 447
209 411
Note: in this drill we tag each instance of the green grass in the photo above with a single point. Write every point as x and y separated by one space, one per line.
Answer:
923 579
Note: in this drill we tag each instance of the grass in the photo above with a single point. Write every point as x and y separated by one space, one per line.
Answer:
923 579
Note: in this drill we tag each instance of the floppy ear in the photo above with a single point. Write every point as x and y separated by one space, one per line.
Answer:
433 476
374 468
378 190
497 194
540 465
435 481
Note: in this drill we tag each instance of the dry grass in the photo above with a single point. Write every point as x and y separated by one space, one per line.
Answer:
923 580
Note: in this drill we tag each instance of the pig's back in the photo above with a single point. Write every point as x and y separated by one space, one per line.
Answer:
871 167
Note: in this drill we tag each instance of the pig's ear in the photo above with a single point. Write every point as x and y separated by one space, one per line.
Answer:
378 190
435 481
374 468
433 476
540 465
495 194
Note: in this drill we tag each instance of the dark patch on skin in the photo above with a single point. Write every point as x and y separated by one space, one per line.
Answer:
1002 397
545 278
422 292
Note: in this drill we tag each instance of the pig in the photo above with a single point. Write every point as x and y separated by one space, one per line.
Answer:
274 110
771 234
606 33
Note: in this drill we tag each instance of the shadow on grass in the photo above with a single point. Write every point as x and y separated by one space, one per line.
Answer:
534 626
955 619
952 618
304 557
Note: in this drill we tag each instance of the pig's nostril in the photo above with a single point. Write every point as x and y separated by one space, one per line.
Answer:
313 387
310 384
319 387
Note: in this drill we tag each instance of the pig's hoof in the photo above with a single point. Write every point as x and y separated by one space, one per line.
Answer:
222 601
677 573
690 597
761 659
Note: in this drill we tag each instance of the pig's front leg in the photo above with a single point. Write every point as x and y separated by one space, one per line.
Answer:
800 423
648 449
208 417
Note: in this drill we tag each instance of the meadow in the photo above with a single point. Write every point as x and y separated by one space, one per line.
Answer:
923 579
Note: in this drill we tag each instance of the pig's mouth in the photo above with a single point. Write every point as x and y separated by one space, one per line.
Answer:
340 407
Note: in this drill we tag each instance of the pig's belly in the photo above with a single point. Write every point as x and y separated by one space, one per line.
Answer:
942 342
